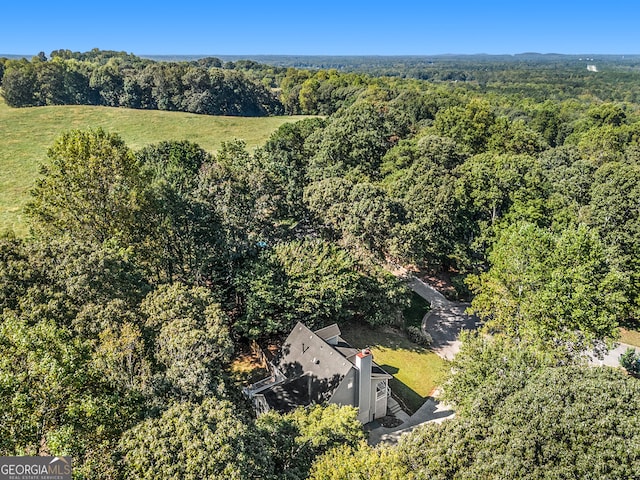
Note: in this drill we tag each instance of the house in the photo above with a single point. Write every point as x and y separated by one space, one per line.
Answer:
315 367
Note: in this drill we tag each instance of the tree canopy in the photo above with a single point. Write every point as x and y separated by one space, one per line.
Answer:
571 422
147 270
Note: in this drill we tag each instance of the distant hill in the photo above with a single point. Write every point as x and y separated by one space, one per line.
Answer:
367 62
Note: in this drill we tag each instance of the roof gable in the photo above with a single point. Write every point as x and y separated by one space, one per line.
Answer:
328 333
305 353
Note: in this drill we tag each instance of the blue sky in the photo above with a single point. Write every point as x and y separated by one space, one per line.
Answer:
323 27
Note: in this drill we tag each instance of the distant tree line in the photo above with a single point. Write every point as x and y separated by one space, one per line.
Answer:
122 80
316 85
206 86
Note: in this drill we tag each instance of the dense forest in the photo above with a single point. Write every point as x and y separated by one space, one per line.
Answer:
147 271
122 80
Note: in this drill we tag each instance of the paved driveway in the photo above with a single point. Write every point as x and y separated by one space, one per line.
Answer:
444 324
445 320
612 358
431 411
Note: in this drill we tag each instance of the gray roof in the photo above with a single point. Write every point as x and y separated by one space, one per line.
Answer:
314 369
305 353
286 396
328 332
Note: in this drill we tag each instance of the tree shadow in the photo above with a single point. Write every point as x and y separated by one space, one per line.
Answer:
445 324
409 398
386 336
300 388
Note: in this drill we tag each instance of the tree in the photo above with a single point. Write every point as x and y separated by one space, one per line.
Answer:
468 125
630 361
615 212
315 282
567 422
52 399
355 141
488 369
546 119
50 79
71 282
121 356
295 440
179 237
568 179
548 286
492 183
311 281
308 96
360 463
515 137
88 188
362 215
419 178
243 193
207 440
191 338
19 84
108 81
286 154
607 114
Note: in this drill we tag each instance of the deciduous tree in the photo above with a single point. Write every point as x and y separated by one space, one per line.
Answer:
88 188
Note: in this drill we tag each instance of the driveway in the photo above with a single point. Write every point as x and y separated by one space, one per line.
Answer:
444 324
431 411
612 358
445 320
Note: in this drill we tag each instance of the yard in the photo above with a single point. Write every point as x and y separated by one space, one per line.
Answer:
416 370
631 337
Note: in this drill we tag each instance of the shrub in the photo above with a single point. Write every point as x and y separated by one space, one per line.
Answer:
630 361
416 335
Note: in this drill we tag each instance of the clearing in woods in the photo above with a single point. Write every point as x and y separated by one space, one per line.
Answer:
26 133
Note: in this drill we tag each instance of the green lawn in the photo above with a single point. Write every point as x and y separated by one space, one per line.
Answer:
26 133
631 337
416 370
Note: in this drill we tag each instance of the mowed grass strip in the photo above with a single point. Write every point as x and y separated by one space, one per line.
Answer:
26 133
417 371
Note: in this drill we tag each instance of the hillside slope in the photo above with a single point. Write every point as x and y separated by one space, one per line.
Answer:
26 133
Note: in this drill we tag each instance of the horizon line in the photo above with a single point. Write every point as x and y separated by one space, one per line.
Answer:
383 55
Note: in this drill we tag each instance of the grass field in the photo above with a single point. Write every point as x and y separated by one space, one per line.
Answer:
26 133
416 370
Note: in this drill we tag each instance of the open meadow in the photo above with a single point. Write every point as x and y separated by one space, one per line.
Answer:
26 133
